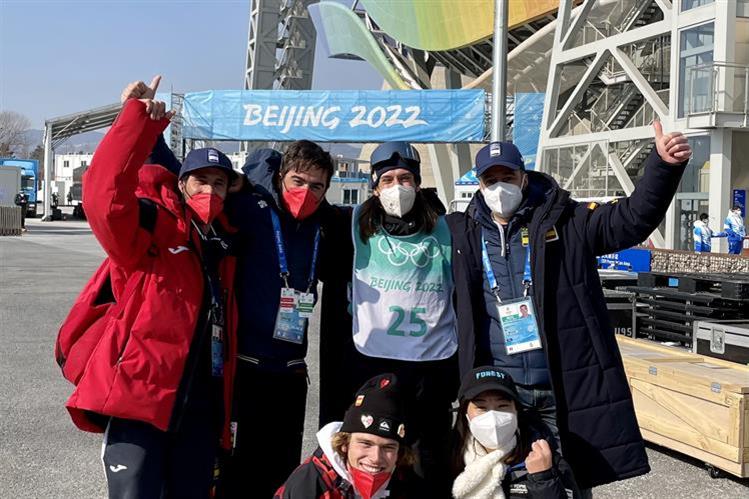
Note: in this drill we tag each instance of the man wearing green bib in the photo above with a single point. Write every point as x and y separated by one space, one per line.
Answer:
402 301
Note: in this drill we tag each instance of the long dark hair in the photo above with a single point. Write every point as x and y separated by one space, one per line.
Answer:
371 214
462 433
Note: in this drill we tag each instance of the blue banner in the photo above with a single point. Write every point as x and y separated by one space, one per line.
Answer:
335 116
529 110
739 199
632 259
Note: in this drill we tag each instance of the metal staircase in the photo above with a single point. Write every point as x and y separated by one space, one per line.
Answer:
642 13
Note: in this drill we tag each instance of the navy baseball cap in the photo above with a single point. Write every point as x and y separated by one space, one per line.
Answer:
498 153
208 157
487 378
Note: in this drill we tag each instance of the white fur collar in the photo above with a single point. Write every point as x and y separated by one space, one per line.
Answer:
483 474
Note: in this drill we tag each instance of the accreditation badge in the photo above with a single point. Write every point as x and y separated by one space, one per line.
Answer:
519 325
306 304
290 325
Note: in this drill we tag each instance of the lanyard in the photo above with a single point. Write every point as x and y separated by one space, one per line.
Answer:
490 272
211 273
282 263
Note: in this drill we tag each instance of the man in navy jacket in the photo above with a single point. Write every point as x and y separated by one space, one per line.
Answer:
575 381
281 212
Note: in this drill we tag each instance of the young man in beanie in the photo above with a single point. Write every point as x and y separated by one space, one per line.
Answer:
524 241
363 456
158 379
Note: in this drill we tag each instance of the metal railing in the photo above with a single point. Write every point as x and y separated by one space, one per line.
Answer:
718 87
621 18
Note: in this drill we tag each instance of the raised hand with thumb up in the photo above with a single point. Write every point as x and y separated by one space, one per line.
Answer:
673 147
139 90
146 93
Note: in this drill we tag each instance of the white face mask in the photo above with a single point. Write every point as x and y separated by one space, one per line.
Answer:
503 198
495 429
397 200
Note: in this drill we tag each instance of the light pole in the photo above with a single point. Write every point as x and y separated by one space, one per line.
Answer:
499 82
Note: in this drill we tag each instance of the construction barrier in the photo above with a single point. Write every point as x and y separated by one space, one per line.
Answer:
10 221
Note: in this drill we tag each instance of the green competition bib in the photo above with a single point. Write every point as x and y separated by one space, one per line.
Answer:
402 295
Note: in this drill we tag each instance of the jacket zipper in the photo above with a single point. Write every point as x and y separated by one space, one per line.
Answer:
194 352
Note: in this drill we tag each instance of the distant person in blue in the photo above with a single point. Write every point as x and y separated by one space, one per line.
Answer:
735 230
703 234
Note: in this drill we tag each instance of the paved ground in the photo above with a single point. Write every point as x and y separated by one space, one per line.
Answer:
43 455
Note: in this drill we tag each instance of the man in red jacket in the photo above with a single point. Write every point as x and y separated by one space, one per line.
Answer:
159 378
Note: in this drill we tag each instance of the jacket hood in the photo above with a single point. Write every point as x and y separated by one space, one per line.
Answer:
699 223
261 169
159 184
324 439
733 216
541 189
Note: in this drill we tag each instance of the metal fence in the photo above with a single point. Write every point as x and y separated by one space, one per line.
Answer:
10 221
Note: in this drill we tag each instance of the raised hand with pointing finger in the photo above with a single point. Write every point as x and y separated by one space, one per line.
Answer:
673 148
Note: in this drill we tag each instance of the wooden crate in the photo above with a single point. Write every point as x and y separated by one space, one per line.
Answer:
690 403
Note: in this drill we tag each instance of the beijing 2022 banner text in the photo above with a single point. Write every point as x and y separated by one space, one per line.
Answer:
335 116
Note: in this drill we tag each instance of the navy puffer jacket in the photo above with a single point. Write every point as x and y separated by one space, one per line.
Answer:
597 424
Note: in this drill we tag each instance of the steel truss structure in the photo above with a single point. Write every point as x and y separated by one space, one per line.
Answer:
596 136
280 47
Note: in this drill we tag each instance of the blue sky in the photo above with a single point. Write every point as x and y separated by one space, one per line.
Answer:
58 57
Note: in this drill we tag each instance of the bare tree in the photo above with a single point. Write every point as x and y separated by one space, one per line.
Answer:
13 128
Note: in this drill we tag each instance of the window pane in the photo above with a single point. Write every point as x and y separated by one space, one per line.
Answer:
697 175
692 4
695 50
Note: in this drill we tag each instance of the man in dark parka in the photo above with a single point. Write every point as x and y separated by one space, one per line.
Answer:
595 416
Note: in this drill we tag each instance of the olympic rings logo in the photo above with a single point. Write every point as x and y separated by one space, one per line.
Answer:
401 252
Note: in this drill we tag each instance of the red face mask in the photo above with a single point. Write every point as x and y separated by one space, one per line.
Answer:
206 206
300 202
367 484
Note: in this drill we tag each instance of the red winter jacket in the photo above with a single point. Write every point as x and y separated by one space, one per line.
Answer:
136 366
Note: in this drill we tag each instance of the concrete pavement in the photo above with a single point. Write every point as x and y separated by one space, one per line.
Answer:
43 455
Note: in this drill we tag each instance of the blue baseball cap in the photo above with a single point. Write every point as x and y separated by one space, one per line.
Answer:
207 157
498 154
